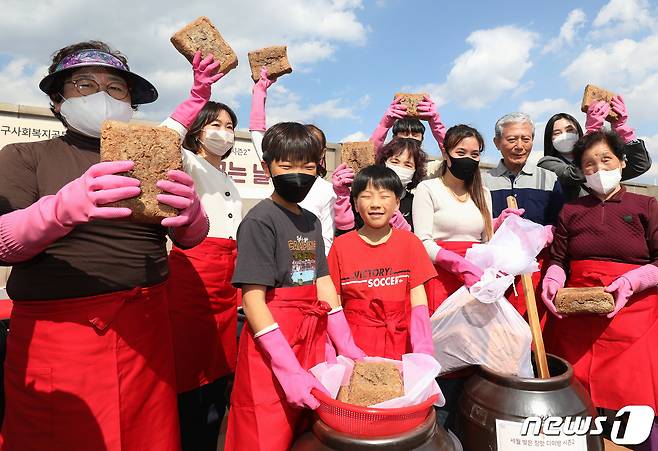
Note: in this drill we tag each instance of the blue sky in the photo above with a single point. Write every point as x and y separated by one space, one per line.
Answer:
479 60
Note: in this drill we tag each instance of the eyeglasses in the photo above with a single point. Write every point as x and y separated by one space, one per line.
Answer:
87 86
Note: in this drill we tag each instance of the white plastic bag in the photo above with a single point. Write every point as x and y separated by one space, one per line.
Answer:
481 327
469 332
419 372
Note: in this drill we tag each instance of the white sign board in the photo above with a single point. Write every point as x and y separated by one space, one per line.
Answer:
509 438
242 165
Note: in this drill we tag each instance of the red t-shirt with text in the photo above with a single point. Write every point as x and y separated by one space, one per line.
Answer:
386 271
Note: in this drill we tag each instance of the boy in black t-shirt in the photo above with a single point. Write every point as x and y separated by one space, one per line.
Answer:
288 297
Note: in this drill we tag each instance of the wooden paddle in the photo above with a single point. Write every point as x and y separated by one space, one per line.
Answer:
533 316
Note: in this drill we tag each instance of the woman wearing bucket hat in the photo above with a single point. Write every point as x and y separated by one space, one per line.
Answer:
89 360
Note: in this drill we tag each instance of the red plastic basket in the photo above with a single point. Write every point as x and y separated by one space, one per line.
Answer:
369 421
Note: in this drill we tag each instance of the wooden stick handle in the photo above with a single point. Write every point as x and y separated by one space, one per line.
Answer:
533 315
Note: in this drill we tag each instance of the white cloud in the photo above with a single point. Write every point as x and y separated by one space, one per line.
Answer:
356 136
17 82
620 17
494 65
542 110
312 30
574 22
284 105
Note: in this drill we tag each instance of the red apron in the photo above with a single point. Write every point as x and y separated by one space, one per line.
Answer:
379 328
259 416
445 283
92 373
203 311
615 359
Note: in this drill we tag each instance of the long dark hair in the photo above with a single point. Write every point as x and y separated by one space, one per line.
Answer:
397 146
549 150
454 136
208 114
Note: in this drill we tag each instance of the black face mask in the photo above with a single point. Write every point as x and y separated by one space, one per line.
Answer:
293 186
463 168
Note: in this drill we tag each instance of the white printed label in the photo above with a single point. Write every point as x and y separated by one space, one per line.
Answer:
509 438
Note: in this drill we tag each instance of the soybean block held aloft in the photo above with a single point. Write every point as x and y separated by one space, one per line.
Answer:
155 151
358 154
410 101
570 301
593 94
202 35
274 58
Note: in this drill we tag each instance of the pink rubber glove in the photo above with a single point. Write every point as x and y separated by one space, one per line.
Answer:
620 126
420 330
258 97
553 281
341 180
394 112
191 225
341 335
397 221
27 232
296 382
459 266
506 213
204 76
549 230
596 114
427 110
633 281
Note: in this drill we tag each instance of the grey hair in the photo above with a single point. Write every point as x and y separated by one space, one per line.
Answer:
513 118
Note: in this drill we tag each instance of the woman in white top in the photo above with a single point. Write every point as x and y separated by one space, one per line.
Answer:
453 211
450 213
202 301
321 199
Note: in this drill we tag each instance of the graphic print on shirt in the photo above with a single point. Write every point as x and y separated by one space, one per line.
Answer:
303 268
376 277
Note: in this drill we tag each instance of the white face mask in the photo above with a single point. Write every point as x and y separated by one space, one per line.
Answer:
218 142
564 142
86 114
604 182
405 174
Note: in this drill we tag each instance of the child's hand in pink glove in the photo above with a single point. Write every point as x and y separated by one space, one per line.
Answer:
296 382
620 126
340 334
596 114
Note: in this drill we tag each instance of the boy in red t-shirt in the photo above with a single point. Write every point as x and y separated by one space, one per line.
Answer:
379 272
